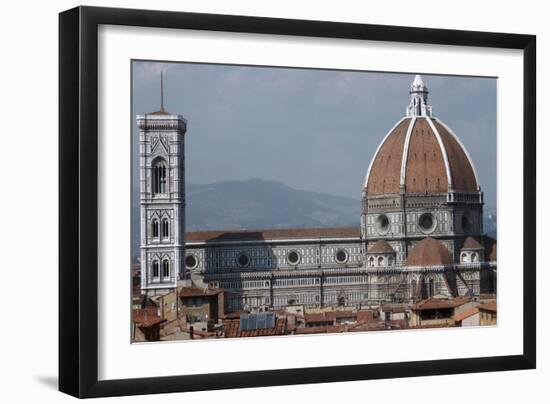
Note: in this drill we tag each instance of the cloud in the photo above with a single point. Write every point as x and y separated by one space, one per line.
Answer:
150 71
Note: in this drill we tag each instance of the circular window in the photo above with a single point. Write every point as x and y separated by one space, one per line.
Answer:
341 256
243 259
383 224
293 257
426 222
191 262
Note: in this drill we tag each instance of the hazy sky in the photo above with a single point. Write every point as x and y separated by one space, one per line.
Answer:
315 130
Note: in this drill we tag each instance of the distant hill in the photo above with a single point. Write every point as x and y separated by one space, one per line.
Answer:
257 204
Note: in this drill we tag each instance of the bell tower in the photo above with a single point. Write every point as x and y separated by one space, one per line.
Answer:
162 198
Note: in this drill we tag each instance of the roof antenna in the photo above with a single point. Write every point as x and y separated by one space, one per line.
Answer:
162 91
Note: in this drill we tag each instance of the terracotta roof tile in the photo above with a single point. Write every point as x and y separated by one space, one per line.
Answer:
380 247
435 303
465 314
234 315
471 243
395 308
428 252
371 325
461 170
232 329
425 163
321 329
196 292
331 316
386 167
146 317
491 306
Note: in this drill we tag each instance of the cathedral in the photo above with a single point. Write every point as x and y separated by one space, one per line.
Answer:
420 233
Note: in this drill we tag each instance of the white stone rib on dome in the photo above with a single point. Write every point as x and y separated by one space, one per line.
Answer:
378 150
463 149
406 152
443 153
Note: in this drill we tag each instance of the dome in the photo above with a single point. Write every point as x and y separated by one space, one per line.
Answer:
420 154
428 252
471 244
380 247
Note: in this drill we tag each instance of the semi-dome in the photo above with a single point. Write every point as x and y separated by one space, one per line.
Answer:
381 247
420 154
471 244
428 252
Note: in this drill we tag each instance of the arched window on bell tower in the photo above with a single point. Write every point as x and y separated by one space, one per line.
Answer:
155 228
165 229
165 269
155 269
159 177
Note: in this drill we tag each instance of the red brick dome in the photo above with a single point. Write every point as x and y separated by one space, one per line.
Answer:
380 247
428 252
420 154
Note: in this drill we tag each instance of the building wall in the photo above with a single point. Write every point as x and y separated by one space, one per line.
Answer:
487 317
454 217
472 321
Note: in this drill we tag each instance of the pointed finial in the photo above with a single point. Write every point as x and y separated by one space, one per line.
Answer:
162 91
418 82
418 105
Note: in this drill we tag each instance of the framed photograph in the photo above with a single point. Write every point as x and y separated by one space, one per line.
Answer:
250 201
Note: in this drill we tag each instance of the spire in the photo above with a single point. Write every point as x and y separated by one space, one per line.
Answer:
418 105
161 91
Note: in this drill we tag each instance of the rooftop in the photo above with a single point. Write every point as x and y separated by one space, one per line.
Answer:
146 317
428 252
472 244
436 303
232 329
465 314
490 306
380 247
197 292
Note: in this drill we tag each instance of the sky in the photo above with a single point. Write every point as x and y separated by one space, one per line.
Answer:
315 130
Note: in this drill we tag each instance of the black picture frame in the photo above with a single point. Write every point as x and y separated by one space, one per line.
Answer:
78 201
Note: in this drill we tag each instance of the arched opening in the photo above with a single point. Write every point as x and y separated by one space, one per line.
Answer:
380 261
413 288
166 269
431 287
165 228
155 269
475 257
159 177
371 261
155 228
464 257
341 301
